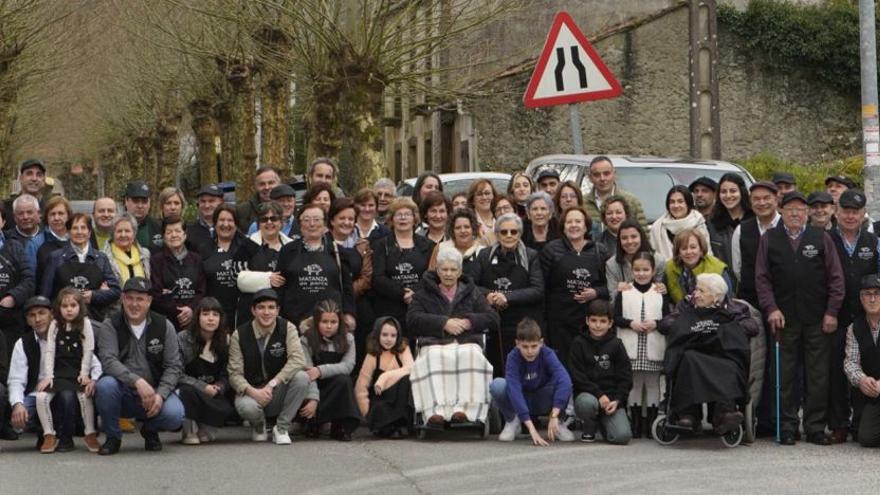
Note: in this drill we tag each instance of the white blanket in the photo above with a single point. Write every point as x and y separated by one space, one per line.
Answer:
451 378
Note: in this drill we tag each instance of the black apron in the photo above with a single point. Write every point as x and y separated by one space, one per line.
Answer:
392 409
504 274
221 273
264 260
707 356
11 319
83 277
313 276
566 318
337 394
68 358
408 273
199 406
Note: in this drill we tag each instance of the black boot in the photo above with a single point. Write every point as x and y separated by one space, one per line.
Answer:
649 422
635 422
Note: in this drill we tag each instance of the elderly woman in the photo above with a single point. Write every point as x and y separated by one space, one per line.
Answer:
680 215
449 307
574 271
520 187
176 276
481 196
707 354
220 265
631 240
691 257
171 203
462 233
399 260
434 209
55 214
314 269
258 267
127 257
614 211
510 275
83 267
541 227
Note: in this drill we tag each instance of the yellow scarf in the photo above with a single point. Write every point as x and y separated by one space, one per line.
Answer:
125 261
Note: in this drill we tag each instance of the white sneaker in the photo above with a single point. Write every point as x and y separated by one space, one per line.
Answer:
280 436
207 433
511 428
565 435
258 433
189 432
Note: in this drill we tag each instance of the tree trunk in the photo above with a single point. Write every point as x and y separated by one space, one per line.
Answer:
274 95
222 118
242 157
205 130
167 145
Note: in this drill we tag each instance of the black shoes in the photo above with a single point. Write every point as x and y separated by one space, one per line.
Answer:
65 445
819 438
111 446
686 421
340 432
787 438
151 441
728 421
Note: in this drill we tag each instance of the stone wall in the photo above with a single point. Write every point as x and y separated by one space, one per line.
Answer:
791 115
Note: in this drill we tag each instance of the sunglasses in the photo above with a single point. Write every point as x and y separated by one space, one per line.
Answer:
506 232
269 219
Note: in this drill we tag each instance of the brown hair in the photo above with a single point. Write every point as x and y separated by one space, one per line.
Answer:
72 219
401 203
588 222
219 341
374 347
432 199
77 323
681 240
313 335
577 192
53 202
528 330
472 191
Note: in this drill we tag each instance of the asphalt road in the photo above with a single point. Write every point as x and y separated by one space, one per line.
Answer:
455 463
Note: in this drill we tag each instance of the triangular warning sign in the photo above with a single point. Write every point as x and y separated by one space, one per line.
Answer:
569 69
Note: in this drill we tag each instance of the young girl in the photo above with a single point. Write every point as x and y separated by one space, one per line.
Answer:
204 383
383 391
67 362
636 313
330 355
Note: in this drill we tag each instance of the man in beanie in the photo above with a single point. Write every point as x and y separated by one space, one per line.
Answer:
704 190
137 204
200 233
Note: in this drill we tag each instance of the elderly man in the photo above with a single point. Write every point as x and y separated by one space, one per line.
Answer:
266 364
859 256
26 227
139 351
704 190
103 216
385 194
137 204
604 180
25 371
17 284
744 242
800 287
265 179
862 362
32 180
200 233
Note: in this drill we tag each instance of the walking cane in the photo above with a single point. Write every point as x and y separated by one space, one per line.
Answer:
778 392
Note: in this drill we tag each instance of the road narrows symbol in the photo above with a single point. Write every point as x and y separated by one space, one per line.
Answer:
582 71
560 64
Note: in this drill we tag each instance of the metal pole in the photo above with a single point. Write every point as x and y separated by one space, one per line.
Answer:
576 138
870 123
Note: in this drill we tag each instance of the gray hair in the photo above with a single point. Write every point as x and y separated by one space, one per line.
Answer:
125 217
384 183
715 283
508 217
539 196
25 198
449 255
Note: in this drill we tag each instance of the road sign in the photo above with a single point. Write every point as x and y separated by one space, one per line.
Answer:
569 69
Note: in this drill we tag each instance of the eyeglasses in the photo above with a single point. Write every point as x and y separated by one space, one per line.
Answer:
403 214
269 219
311 220
799 211
384 194
506 232
484 194
871 295
568 196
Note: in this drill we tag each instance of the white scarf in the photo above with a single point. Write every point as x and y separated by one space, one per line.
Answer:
660 239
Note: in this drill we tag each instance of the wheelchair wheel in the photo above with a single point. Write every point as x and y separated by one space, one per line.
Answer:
496 422
484 432
663 435
750 424
733 438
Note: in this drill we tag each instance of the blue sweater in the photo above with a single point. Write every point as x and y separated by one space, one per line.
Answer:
545 371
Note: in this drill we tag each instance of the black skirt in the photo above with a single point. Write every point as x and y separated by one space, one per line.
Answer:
337 402
202 408
392 409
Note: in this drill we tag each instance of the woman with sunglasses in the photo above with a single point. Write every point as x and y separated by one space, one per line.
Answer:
259 267
510 275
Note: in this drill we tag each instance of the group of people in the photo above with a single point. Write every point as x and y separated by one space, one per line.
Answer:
317 316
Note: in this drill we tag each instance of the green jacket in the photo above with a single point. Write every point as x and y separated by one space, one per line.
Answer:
675 276
635 209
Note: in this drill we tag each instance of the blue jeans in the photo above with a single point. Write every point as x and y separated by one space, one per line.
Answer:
113 399
538 401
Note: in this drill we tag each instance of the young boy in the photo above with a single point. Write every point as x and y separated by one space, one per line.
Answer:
536 384
602 376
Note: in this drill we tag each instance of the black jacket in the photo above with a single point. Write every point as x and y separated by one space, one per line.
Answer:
601 367
430 310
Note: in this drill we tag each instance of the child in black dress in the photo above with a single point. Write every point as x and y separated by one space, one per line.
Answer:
383 390
67 362
330 355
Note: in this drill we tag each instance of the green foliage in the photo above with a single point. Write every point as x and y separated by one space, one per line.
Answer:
810 176
823 39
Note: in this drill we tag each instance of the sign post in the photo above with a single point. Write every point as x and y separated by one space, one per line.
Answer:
569 71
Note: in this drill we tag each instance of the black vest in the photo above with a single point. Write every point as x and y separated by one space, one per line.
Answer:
749 236
862 262
799 282
259 367
868 351
31 349
155 338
